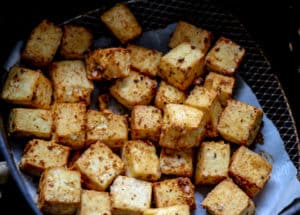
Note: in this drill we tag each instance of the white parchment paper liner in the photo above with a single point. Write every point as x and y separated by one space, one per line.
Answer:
283 186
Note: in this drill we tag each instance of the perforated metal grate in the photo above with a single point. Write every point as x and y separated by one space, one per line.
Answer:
255 69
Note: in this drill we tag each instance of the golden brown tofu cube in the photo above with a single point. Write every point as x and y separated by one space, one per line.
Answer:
212 162
224 85
25 122
76 41
228 198
174 192
39 155
109 128
239 122
186 32
27 87
206 100
109 63
69 121
177 162
70 82
140 160
59 191
122 23
180 66
130 196
171 210
183 127
249 170
42 44
94 202
167 94
146 122
136 89
99 166
225 57
144 60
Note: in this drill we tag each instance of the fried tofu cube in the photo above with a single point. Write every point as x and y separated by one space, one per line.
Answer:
24 122
76 41
239 122
144 60
27 87
99 166
94 202
228 198
107 64
224 85
130 196
174 192
69 121
122 23
225 57
180 66
70 82
171 210
42 44
206 100
109 128
140 160
146 122
183 127
59 191
177 162
136 89
186 32
40 155
167 94
249 170
212 162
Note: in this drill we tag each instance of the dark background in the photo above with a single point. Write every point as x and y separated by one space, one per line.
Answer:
275 26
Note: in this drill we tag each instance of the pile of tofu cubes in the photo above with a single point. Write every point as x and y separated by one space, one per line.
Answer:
183 130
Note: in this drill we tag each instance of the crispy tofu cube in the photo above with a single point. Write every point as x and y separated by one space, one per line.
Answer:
224 85
249 170
146 122
59 191
171 210
27 87
144 60
42 44
140 160
180 66
136 89
39 155
225 57
122 23
167 94
69 121
109 128
177 162
206 100
183 127
239 122
76 41
94 202
228 198
25 122
99 166
186 32
212 162
176 191
109 63
70 82
130 196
